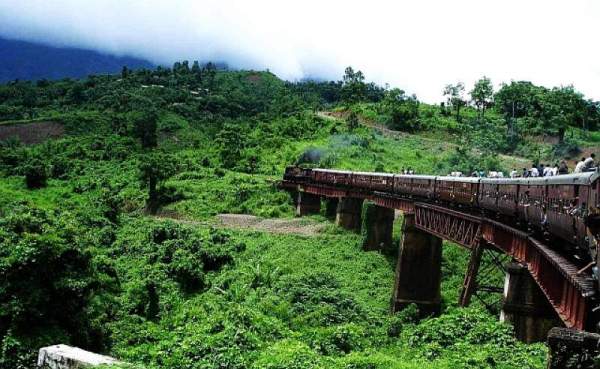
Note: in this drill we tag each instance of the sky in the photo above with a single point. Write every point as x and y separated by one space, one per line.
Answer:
419 45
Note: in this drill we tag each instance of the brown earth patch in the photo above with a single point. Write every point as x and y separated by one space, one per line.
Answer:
299 226
276 225
31 133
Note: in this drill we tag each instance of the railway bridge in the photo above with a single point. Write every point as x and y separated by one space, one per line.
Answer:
542 288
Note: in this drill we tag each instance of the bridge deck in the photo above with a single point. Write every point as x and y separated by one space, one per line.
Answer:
569 291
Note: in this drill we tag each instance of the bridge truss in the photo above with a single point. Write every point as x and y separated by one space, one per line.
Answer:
570 292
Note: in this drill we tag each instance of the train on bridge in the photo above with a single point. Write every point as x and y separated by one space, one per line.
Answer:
561 209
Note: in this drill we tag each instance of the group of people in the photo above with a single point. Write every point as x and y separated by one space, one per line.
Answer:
408 170
541 170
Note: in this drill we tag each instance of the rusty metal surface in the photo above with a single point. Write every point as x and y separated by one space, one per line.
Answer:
571 294
568 292
462 228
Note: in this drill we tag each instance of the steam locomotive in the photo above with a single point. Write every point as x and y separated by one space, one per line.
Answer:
562 210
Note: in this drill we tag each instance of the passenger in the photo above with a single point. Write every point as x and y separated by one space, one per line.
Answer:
499 174
525 173
547 172
540 169
410 171
475 174
481 174
579 166
534 172
589 163
554 170
403 171
563 168
513 173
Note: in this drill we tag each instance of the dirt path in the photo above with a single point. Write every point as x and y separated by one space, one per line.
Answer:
299 226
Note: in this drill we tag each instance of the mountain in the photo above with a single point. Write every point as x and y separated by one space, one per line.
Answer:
32 61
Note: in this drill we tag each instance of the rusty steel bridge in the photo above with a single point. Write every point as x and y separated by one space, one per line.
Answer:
568 289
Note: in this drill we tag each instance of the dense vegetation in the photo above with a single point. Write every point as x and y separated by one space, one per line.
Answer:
88 258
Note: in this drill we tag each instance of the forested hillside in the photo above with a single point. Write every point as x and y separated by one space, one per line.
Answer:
110 186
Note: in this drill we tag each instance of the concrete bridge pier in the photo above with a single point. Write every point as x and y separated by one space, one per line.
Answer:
348 213
418 271
331 204
525 306
378 226
571 348
307 203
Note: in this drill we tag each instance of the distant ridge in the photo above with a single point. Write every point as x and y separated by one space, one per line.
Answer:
31 61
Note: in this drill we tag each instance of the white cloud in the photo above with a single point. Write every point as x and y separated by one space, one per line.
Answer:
416 45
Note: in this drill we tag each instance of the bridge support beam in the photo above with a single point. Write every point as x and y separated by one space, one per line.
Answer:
307 203
378 226
348 213
418 271
331 204
525 306
571 348
470 281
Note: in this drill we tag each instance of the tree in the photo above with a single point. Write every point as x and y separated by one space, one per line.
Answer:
517 100
154 169
561 107
352 121
482 94
403 109
231 145
146 128
354 88
196 67
36 172
209 73
455 97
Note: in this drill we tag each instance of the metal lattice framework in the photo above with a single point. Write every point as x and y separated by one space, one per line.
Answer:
452 225
570 292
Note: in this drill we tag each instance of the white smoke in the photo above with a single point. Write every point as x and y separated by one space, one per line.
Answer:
417 45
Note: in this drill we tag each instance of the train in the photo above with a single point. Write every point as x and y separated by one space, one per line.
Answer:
563 210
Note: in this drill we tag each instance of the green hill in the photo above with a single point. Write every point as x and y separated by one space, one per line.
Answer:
109 241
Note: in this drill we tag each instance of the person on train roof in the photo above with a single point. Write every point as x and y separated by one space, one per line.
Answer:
563 168
514 173
579 166
525 173
589 164
534 172
554 171
546 171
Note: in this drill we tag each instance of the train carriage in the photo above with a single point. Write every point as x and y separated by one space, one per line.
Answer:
488 194
460 190
564 206
568 200
531 206
382 182
332 177
402 185
508 195
362 180
414 185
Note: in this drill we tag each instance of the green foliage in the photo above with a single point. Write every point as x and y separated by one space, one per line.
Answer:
82 263
36 171
481 94
455 97
403 110
154 169
146 128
